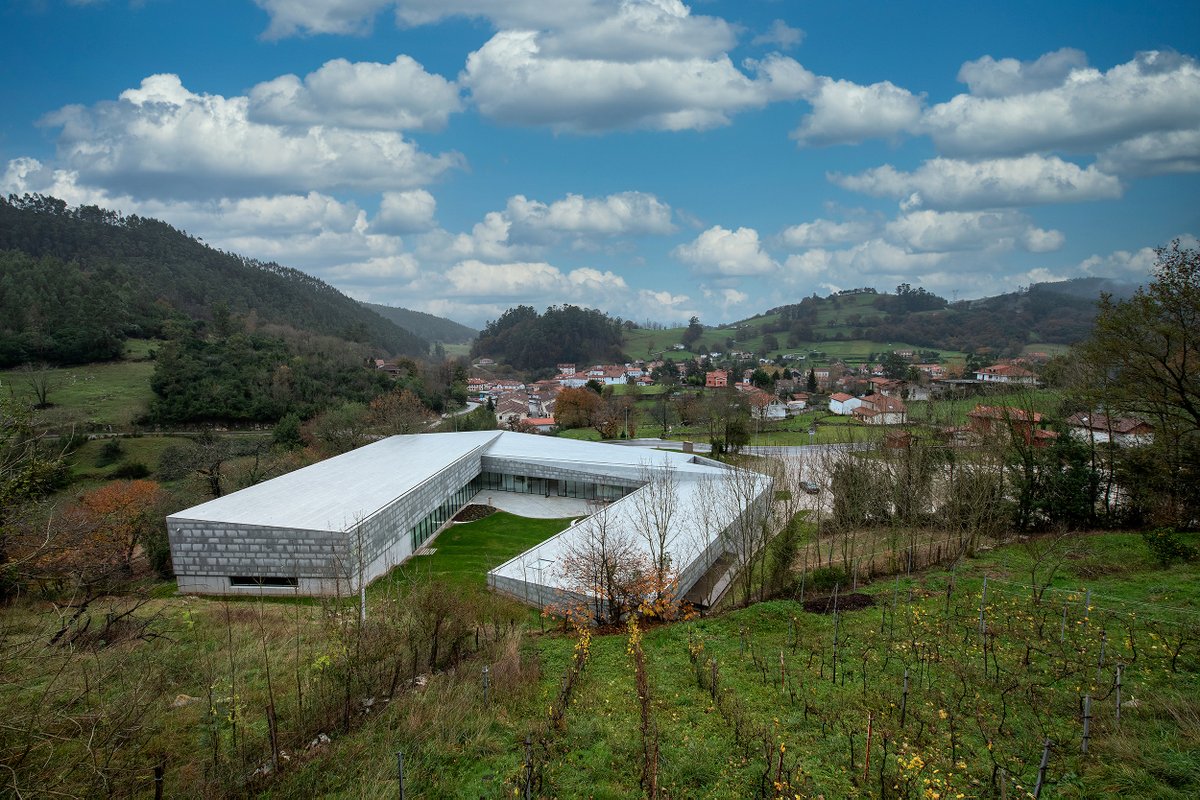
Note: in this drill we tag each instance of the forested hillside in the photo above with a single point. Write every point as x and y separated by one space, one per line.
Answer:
1060 313
427 326
528 340
74 282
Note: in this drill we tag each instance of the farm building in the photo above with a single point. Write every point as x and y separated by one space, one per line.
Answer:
325 528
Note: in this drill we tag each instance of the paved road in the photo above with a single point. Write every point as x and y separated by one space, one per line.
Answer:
762 450
471 406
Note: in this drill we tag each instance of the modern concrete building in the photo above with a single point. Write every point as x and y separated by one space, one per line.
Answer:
350 519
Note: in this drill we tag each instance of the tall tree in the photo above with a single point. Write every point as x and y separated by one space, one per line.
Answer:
1149 346
1143 358
400 411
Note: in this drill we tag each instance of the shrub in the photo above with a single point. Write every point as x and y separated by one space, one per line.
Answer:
783 549
824 579
1166 546
134 470
110 452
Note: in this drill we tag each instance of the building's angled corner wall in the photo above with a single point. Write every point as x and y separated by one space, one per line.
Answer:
206 554
385 534
536 594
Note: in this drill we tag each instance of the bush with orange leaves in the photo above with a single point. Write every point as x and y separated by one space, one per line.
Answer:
99 538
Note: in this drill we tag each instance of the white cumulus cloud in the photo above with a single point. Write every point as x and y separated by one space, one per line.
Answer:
1154 154
989 77
846 113
513 81
781 34
941 231
290 17
405 212
396 96
1129 264
861 264
161 140
474 278
617 214
1082 111
720 251
824 232
944 183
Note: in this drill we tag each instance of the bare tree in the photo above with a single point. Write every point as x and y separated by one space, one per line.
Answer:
399 412
40 378
1047 554
743 497
656 505
603 563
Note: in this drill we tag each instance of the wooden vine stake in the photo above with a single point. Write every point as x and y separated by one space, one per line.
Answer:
1041 778
836 621
982 606
1087 722
867 753
1119 666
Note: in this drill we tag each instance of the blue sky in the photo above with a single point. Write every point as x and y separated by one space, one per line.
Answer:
651 158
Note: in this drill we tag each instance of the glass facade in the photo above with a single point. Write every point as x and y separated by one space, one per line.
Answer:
421 532
550 487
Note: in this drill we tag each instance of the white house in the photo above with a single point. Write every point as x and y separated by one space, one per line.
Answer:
1101 428
1006 373
878 409
766 406
843 404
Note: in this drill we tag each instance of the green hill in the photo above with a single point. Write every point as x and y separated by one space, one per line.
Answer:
427 326
856 324
75 282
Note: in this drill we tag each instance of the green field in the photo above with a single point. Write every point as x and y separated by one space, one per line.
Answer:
582 434
953 411
796 690
146 450
789 714
652 344
92 396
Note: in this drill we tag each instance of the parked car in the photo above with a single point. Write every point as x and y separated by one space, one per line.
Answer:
809 487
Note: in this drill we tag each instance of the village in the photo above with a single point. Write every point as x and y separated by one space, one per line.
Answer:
773 391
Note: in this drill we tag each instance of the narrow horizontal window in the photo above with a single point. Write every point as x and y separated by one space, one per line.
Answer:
264 580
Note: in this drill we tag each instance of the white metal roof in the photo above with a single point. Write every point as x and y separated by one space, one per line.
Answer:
703 508
596 457
334 494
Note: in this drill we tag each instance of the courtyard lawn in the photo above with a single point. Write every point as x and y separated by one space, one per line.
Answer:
465 552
